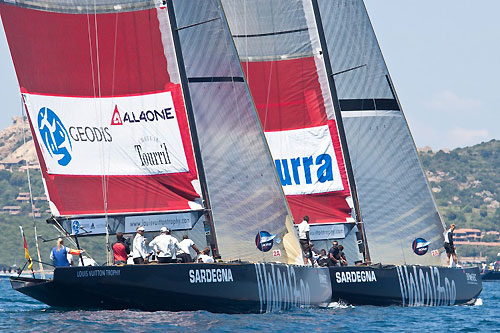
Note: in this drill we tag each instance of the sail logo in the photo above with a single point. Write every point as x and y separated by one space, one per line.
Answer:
142 116
305 160
420 246
116 119
152 152
54 136
265 241
301 169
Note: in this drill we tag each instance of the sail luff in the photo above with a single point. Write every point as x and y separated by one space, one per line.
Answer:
210 231
340 126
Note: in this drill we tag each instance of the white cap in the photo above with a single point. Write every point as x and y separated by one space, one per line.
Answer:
164 229
140 228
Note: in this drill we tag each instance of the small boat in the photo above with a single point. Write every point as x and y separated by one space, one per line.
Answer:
490 275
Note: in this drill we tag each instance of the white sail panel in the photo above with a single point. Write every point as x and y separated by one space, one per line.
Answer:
305 168
130 135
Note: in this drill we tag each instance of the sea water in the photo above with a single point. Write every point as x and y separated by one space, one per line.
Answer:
21 313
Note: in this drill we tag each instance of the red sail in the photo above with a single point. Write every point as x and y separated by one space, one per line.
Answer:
103 96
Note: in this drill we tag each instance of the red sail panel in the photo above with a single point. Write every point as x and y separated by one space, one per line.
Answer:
303 140
107 117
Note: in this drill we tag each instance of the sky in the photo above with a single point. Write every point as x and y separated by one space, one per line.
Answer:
443 57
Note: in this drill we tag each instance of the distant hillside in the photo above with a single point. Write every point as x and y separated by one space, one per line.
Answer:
13 180
466 184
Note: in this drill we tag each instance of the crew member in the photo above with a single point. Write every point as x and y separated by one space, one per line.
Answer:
166 246
322 261
205 257
121 249
333 254
449 246
59 254
305 242
341 256
184 246
139 251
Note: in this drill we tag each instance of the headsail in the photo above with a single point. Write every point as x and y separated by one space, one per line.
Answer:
395 200
158 92
106 110
279 46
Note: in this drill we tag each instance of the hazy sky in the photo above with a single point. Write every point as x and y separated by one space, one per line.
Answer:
443 56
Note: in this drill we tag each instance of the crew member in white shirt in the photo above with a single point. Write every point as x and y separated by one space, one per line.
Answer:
184 246
139 250
204 257
166 246
305 242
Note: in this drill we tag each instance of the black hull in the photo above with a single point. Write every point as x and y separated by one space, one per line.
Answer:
405 285
491 276
227 288
249 288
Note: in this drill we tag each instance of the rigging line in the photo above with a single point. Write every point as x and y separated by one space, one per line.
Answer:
103 177
40 265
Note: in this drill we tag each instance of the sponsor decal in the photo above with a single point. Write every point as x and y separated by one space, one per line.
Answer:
355 277
116 119
141 116
178 221
280 289
210 275
424 287
89 226
55 136
302 169
420 246
305 160
471 278
328 231
97 273
152 152
127 135
265 241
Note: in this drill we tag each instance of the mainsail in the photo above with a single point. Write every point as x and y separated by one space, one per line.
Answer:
141 107
279 47
394 197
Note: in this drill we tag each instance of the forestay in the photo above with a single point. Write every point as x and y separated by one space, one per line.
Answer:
395 200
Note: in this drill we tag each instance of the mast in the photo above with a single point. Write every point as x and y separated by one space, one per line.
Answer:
340 126
209 223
